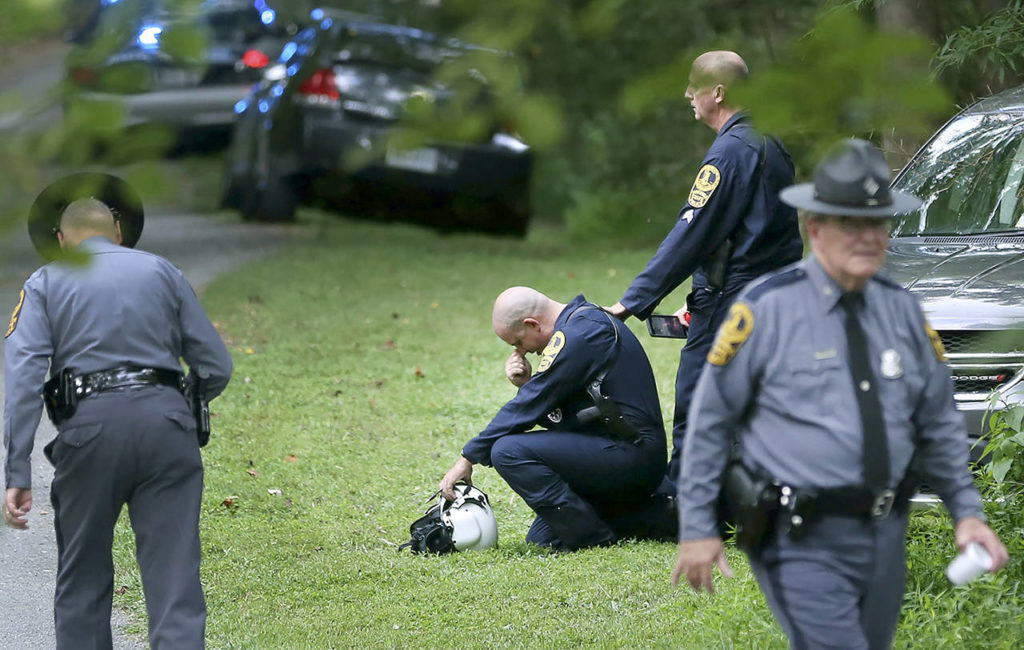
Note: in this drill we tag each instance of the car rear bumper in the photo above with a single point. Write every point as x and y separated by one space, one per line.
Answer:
362 152
212 106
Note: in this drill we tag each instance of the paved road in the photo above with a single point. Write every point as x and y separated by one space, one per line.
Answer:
202 247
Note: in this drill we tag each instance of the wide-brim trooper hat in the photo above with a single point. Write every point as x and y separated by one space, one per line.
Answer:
852 180
114 192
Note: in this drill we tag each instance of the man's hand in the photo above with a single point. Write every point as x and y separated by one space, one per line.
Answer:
683 314
695 559
518 369
618 311
17 503
461 471
972 529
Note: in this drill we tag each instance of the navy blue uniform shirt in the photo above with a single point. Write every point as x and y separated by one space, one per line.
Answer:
579 348
734 195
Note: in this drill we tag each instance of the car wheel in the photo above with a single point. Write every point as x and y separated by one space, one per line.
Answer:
274 201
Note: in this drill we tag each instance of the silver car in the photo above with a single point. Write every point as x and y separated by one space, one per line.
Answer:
962 253
183 68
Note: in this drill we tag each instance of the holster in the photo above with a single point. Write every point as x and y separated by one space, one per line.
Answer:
748 504
195 393
716 266
59 396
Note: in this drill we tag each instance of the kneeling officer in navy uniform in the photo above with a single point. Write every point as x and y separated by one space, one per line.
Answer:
590 472
111 325
830 380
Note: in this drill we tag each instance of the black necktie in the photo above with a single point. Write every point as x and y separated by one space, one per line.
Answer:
876 446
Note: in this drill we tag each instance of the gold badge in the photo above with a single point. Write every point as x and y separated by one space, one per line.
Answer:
554 346
704 186
14 316
734 332
937 346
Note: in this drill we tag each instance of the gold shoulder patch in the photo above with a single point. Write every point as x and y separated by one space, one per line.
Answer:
704 185
14 316
937 346
554 346
733 333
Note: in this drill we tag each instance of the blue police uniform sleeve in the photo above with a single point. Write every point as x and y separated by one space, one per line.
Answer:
203 349
943 447
27 353
585 350
698 232
724 392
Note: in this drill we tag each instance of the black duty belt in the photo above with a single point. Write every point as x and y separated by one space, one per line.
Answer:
125 377
859 502
65 388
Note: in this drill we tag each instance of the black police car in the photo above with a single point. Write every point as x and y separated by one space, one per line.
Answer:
349 117
962 253
175 64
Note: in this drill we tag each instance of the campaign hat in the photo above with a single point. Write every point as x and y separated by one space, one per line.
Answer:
852 180
113 191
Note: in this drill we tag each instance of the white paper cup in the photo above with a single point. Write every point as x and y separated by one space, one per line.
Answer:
970 564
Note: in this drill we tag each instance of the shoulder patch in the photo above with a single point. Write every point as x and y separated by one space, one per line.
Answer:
554 346
733 333
14 316
704 185
774 281
936 340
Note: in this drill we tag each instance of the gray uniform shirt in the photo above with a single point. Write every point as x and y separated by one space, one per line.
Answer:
782 384
124 308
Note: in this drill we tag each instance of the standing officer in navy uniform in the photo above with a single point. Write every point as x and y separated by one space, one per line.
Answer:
831 380
111 325
589 473
732 229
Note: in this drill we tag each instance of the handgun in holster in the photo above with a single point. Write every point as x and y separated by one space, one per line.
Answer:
717 265
59 396
748 503
607 412
195 393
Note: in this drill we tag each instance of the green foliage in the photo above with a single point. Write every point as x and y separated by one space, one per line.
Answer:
846 78
25 20
993 49
1005 444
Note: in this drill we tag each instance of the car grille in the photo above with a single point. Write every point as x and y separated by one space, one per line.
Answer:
981 361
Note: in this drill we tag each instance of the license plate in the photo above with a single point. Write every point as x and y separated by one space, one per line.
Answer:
417 160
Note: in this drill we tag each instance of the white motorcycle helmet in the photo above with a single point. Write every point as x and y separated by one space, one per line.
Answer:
470 520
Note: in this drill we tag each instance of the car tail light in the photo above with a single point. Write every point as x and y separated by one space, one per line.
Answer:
83 76
320 88
255 59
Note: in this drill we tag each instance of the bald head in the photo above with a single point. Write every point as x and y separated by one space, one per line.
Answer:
712 75
86 218
525 318
718 67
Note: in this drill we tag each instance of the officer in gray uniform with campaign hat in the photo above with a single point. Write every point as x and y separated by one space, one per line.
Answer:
830 381
110 325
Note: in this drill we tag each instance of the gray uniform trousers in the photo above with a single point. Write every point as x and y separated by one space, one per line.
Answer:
136 446
841 586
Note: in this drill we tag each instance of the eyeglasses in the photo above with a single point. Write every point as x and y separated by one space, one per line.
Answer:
854 225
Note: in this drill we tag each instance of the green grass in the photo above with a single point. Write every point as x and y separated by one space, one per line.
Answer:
364 360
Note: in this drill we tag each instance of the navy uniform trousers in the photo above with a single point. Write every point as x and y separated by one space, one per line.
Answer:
136 446
841 586
707 311
587 490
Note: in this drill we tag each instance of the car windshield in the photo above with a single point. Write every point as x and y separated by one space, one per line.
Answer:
969 179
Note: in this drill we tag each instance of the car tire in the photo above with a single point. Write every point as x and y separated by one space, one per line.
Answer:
275 201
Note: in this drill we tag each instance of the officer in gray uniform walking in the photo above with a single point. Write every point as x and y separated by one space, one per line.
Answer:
830 381
111 325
